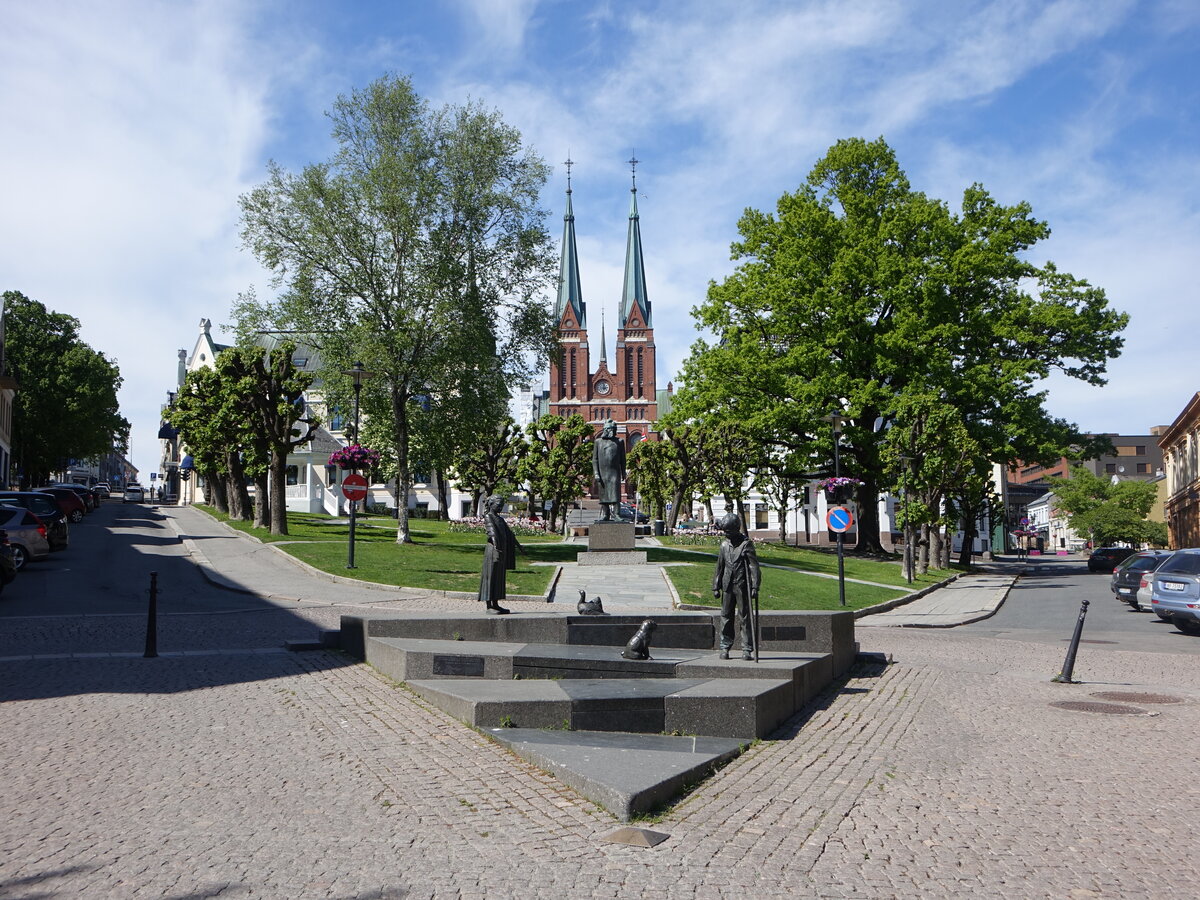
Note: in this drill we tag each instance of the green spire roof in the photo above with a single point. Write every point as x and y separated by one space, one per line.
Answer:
570 293
634 293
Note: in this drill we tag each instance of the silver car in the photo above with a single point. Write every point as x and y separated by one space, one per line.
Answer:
26 535
1175 590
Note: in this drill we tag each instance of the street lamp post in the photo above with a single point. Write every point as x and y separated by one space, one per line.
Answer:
358 373
908 554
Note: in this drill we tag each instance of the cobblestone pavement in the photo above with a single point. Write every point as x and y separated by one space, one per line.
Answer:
268 774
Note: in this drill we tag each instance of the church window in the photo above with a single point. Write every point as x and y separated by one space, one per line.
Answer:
573 374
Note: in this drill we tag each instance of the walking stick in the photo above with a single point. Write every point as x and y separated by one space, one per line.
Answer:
757 629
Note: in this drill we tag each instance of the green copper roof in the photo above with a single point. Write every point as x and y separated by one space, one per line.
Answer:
570 293
634 292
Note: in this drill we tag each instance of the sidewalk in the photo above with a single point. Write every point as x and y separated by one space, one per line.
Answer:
968 598
237 562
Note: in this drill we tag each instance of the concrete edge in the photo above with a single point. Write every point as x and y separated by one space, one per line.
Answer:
971 620
907 598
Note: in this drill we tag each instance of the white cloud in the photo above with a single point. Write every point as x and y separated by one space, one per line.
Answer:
131 130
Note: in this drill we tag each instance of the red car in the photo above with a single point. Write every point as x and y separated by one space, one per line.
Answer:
69 501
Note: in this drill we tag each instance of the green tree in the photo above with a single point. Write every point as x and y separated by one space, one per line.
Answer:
558 466
650 464
1106 512
859 291
421 242
66 401
270 388
491 465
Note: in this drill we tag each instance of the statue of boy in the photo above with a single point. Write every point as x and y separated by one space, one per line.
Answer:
735 584
608 468
499 555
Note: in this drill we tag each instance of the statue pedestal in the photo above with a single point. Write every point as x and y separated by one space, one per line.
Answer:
610 536
611 544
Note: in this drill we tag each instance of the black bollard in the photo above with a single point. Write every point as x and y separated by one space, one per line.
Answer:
152 619
1064 677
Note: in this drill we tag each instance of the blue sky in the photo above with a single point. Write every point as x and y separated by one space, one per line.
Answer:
130 129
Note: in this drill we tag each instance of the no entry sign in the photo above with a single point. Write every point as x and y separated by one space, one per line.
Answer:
354 487
839 519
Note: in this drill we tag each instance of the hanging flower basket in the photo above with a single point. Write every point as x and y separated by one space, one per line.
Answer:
354 457
839 489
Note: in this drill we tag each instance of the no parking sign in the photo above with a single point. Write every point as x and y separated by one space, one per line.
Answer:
839 519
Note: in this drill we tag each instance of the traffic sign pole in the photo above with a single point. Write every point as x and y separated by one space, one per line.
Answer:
839 519
354 488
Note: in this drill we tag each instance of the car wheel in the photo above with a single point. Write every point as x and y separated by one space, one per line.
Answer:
76 517
1187 626
20 557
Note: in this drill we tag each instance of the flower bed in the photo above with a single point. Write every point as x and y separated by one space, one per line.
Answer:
519 526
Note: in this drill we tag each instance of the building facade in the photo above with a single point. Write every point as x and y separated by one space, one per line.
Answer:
625 390
1180 445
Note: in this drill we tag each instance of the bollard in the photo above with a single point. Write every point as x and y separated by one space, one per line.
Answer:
152 619
1064 677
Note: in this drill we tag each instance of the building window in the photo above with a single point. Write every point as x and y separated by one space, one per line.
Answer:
293 474
467 509
761 516
574 381
1141 450
1143 468
1110 468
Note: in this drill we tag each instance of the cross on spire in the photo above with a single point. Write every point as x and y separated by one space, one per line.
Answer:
568 164
633 161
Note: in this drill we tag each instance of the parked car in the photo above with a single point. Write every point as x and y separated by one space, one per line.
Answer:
8 561
58 532
629 514
26 535
1175 590
1105 559
1128 575
85 493
134 493
68 501
102 488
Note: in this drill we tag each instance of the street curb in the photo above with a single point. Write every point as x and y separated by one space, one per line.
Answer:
979 618
907 598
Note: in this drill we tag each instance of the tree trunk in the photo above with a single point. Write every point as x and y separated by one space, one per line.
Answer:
277 489
868 519
215 487
403 476
442 501
262 502
921 550
240 506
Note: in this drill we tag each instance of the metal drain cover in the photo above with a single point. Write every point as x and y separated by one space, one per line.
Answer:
1134 697
1111 709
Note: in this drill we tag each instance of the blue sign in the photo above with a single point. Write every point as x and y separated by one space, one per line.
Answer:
839 519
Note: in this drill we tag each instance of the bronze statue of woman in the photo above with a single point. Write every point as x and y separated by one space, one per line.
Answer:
499 555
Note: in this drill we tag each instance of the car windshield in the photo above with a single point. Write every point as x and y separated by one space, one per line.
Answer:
1141 564
1182 564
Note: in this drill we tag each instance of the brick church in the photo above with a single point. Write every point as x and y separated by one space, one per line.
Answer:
625 390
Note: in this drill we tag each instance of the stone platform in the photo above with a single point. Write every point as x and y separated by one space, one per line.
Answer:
556 689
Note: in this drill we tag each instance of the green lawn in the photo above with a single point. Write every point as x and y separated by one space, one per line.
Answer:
441 559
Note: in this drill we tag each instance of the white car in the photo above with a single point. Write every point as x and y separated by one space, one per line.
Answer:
134 493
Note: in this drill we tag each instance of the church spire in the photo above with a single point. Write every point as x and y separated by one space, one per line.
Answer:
633 296
603 351
570 292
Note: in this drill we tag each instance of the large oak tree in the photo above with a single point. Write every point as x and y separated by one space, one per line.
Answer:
859 292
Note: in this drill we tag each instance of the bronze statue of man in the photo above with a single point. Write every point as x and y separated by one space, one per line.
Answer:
499 555
735 584
608 469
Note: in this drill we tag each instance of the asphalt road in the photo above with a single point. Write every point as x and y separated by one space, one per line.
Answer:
1044 605
106 571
